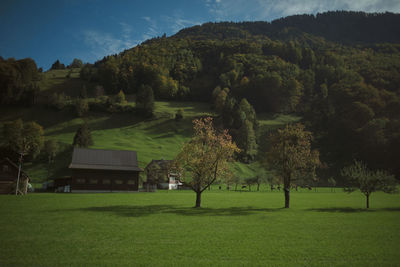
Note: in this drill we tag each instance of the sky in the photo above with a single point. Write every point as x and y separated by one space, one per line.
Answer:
47 30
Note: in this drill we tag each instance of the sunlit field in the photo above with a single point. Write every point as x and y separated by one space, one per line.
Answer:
322 228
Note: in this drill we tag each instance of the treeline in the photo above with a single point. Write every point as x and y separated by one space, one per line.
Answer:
347 27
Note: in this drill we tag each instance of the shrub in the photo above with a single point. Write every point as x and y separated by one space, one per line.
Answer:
179 115
120 98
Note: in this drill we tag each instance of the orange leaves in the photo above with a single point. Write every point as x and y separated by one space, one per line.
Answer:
204 158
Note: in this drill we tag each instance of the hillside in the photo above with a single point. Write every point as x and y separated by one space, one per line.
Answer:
340 71
337 72
155 138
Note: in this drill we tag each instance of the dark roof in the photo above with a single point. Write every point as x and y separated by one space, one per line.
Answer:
100 159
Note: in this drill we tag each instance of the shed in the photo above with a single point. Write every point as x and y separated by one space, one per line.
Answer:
159 173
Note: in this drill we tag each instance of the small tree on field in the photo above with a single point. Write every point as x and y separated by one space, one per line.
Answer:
291 156
204 158
367 181
83 137
23 139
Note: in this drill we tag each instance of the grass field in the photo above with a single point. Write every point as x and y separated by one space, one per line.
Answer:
232 228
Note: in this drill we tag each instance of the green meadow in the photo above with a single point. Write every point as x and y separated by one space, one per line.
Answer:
321 228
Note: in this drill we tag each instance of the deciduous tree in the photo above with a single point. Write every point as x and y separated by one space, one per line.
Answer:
367 181
291 156
204 159
20 137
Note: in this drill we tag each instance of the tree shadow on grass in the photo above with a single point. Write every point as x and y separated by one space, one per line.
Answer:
353 210
140 211
342 210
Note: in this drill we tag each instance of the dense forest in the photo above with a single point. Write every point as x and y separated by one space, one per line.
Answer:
339 70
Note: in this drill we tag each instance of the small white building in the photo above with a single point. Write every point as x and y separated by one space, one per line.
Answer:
158 172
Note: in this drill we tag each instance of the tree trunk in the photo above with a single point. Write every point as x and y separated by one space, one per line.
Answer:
198 199
258 187
287 197
367 195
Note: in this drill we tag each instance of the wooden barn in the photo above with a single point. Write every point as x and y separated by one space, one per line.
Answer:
98 170
8 178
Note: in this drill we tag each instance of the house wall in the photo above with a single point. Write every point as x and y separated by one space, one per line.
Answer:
104 180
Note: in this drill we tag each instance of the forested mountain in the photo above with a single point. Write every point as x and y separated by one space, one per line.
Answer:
339 70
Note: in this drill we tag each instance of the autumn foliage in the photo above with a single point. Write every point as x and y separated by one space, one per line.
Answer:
204 159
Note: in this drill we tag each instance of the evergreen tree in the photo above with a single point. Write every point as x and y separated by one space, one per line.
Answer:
57 65
120 98
246 141
145 100
83 136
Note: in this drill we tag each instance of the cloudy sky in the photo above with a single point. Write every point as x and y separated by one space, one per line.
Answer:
46 30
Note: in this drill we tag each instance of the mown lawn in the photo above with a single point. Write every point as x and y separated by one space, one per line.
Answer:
232 228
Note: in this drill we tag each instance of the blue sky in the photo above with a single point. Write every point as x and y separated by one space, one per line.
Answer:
46 30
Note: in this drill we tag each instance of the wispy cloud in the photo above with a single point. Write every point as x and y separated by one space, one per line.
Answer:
152 28
271 9
178 21
104 43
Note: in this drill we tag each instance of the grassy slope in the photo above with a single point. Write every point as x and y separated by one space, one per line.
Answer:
58 81
159 138
232 228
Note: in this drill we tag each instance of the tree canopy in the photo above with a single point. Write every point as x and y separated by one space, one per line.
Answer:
204 159
368 181
83 136
290 154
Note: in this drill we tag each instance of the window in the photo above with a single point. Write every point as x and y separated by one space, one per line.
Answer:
93 181
106 181
119 182
80 181
131 182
